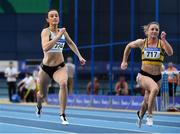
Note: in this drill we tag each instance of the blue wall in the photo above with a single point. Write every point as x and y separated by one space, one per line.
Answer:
20 36
20 33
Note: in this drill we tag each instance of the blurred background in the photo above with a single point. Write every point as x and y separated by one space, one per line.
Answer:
100 28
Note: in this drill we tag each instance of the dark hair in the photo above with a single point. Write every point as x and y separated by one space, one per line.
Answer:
46 17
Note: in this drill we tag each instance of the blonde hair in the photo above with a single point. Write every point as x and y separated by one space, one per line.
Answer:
146 27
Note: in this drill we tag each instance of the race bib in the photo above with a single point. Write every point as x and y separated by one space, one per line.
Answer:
152 53
58 47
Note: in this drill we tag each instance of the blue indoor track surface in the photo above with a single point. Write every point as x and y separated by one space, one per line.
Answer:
21 118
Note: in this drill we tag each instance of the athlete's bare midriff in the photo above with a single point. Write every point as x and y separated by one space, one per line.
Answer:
151 69
52 58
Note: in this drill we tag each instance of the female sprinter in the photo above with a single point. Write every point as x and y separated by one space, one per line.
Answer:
152 50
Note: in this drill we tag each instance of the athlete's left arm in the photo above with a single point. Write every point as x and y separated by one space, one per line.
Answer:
74 48
165 44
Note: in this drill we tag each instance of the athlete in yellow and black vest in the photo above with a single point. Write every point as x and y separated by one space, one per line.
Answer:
152 50
151 55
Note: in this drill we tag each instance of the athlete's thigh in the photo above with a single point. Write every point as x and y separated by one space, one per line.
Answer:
43 81
147 82
61 75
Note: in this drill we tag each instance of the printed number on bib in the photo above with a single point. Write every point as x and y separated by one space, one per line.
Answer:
152 53
59 45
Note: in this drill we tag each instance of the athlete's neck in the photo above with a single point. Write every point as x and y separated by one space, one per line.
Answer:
53 28
152 40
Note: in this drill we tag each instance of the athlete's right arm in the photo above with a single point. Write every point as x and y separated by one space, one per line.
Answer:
46 43
134 44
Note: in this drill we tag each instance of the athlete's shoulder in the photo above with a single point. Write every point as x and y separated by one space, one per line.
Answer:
45 31
140 40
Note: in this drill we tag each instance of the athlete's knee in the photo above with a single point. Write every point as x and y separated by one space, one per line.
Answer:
63 85
155 90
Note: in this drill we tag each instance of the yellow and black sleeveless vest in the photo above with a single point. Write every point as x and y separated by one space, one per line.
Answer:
152 56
